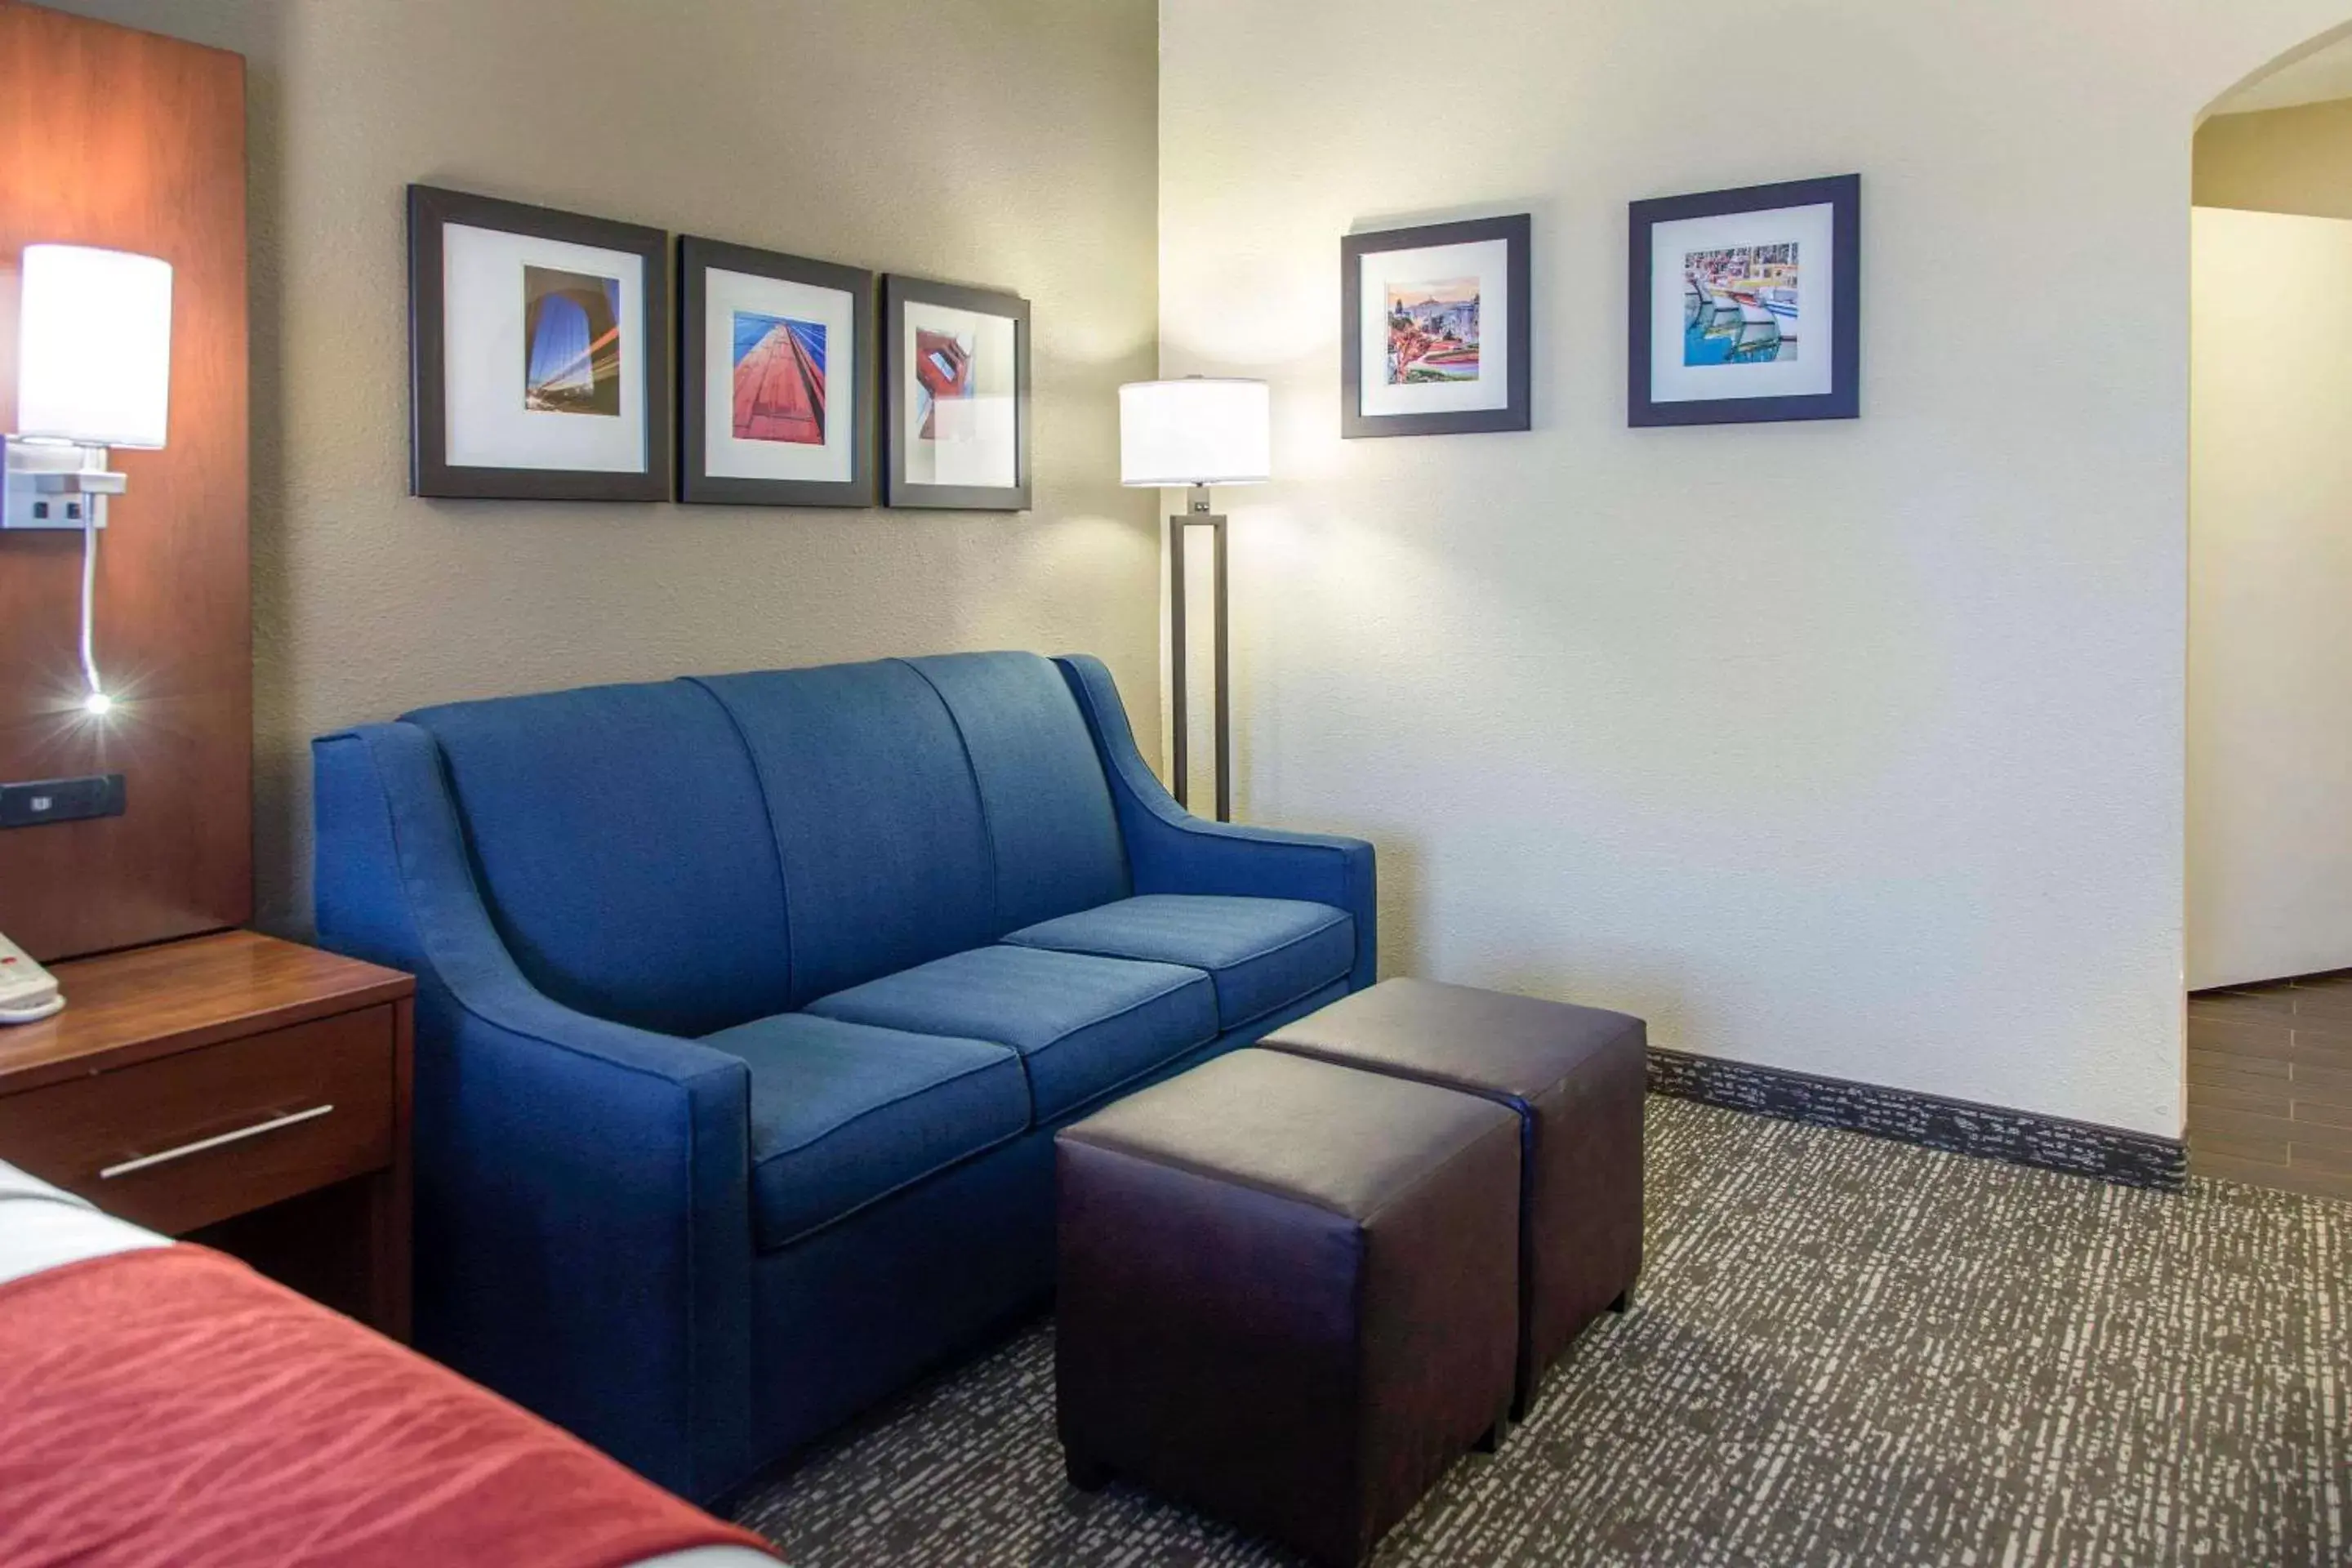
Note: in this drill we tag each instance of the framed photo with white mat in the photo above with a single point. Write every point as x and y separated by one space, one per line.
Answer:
1746 305
775 378
1434 329
955 396
539 353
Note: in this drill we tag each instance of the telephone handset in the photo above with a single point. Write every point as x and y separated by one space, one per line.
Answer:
27 990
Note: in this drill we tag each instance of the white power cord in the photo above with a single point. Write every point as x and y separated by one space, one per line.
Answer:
97 702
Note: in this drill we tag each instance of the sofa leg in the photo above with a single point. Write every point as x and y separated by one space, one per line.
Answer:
1087 1475
1491 1439
1624 1302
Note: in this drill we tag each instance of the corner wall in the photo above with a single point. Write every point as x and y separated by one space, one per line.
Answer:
2269 652
800 125
2269 648
1852 748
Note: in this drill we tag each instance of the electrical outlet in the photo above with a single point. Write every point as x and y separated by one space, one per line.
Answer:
52 485
41 801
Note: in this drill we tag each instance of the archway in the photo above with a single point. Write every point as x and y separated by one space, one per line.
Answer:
2268 843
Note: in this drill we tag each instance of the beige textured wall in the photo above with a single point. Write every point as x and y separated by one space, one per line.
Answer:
1855 747
1006 143
2294 160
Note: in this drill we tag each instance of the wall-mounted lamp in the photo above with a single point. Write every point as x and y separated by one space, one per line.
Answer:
1197 432
93 371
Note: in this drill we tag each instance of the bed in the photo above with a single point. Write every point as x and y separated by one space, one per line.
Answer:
161 1404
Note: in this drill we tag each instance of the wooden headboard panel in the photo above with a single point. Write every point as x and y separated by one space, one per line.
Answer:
117 138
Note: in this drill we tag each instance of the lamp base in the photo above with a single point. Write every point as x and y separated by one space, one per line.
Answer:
56 485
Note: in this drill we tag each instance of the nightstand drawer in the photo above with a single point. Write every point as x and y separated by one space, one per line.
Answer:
182 1141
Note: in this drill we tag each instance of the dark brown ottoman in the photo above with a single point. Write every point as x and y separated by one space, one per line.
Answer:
1577 1076
1289 1294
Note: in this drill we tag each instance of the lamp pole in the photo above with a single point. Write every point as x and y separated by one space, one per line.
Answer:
1196 432
1198 515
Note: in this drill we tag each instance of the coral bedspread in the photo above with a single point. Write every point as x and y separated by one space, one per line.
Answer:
171 1406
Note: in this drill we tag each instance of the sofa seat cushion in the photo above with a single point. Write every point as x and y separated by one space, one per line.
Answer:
844 1114
1261 953
1083 1024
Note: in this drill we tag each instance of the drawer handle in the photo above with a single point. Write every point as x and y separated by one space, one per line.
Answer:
201 1144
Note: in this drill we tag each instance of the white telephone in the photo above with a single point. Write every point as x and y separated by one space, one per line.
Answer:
27 990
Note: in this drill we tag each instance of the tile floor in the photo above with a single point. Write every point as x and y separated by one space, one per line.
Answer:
2270 1084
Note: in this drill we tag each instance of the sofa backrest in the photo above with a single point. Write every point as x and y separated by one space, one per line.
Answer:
1041 792
690 855
621 846
922 806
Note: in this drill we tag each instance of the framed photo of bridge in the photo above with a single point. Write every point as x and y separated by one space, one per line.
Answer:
955 396
1746 305
538 352
775 378
1433 329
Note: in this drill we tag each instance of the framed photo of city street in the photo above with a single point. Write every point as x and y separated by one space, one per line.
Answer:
775 378
538 352
955 396
1746 305
1433 329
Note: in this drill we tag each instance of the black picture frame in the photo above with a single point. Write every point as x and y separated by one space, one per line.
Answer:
1518 412
697 255
1842 194
430 210
897 293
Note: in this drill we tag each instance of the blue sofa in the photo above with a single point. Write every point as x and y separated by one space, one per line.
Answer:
747 1007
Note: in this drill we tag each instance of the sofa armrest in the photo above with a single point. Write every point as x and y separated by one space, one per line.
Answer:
1169 851
583 1187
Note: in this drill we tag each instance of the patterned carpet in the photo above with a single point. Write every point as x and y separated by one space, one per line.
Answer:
1844 1352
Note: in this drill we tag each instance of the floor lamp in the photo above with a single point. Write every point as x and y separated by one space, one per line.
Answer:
1197 432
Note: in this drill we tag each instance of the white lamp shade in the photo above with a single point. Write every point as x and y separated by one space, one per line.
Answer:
94 354
1202 430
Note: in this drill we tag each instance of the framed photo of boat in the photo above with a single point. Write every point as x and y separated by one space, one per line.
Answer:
1746 305
538 352
955 396
775 378
1433 329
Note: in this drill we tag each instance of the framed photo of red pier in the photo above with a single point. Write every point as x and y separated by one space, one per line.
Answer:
1746 305
538 352
1433 329
775 378
955 396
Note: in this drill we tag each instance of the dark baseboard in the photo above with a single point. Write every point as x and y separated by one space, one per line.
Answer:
1954 1126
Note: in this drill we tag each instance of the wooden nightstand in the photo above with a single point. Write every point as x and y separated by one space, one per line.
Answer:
240 1090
